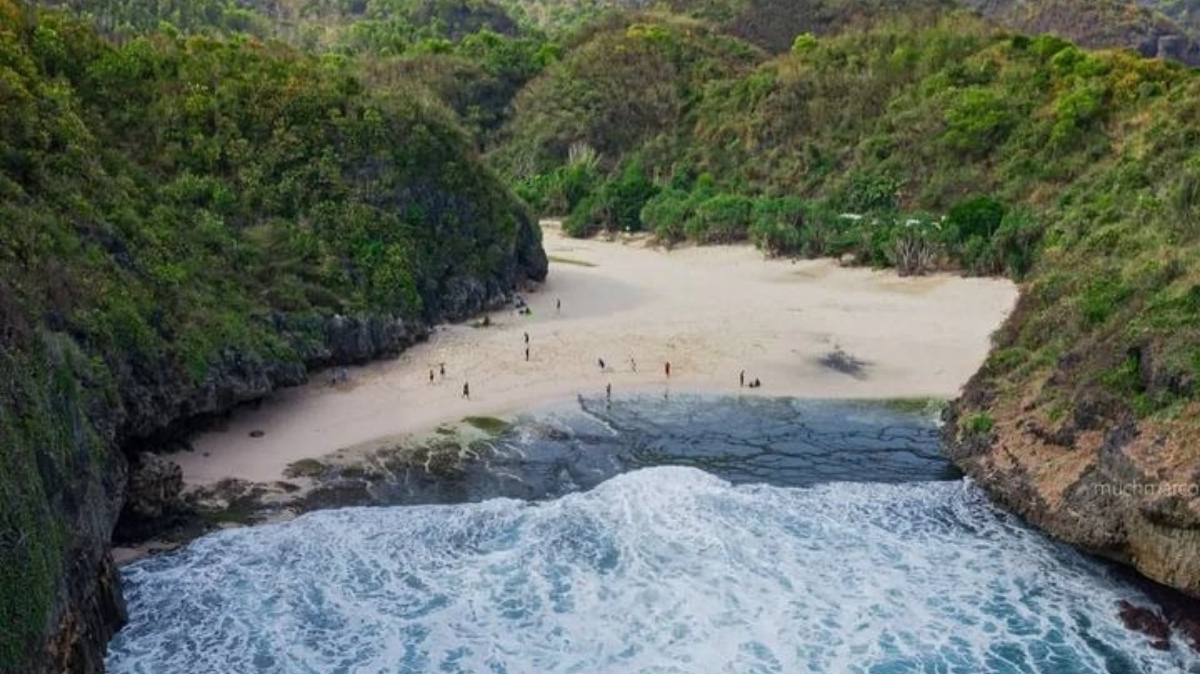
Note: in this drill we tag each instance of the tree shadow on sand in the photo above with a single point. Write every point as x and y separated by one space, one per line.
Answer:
848 364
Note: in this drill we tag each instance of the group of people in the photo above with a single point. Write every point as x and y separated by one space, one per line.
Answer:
754 383
466 389
523 308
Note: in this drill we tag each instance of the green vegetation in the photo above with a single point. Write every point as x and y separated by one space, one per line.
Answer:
489 425
921 144
979 424
305 468
200 194
177 212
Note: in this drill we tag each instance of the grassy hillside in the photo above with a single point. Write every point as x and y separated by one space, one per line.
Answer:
179 218
629 84
981 147
946 145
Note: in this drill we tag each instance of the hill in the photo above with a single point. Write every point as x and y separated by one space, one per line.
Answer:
187 224
959 147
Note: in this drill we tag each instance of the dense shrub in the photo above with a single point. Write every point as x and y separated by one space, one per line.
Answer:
1016 241
615 205
559 191
978 216
869 192
666 213
778 224
724 218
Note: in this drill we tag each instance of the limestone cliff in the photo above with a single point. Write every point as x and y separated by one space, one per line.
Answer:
187 225
1095 475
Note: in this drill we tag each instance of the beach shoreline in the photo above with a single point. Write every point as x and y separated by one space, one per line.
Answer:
809 329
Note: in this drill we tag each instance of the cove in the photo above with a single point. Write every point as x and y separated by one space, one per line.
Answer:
694 534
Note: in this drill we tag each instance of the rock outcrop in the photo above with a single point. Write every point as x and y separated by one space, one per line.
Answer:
102 468
1098 479
1100 24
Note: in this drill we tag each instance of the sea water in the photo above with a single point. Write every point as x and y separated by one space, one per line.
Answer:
696 535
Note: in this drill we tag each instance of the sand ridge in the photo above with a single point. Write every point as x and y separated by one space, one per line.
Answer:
710 311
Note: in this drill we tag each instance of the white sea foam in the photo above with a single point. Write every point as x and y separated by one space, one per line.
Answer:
660 570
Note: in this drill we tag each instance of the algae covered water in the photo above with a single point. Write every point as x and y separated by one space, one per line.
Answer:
691 535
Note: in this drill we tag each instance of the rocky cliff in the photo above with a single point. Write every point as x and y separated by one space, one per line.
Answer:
1091 472
187 225
79 473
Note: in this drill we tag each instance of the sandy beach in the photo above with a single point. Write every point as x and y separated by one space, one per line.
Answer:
711 312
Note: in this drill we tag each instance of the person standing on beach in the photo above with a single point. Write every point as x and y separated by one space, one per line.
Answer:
527 354
466 390
632 364
430 375
442 369
558 305
601 362
667 368
527 339
608 392
742 379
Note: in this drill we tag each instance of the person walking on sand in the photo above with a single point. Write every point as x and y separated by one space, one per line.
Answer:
633 364
527 354
430 375
667 368
442 369
742 379
608 392
527 339
601 362
466 390
558 305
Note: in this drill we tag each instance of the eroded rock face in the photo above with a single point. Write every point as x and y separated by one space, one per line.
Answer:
155 485
87 479
1126 491
153 497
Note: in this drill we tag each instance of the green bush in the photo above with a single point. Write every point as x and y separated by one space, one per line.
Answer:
977 121
979 257
777 225
626 195
870 192
615 205
804 43
588 217
1016 241
665 214
978 216
724 218
561 190
1102 296
979 424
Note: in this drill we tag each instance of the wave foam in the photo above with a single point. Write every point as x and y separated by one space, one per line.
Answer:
660 570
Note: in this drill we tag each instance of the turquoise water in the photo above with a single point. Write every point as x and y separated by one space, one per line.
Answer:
690 555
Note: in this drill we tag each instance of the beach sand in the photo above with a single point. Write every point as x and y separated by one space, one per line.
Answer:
710 311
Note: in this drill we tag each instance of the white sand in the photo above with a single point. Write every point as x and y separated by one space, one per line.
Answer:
710 311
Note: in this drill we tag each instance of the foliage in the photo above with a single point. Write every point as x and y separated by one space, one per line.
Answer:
979 424
617 93
778 224
666 213
722 218
616 205
1073 171
172 208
